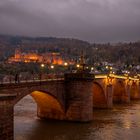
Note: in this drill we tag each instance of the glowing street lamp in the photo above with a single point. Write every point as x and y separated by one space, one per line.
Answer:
52 66
65 64
111 68
41 70
106 67
42 65
77 65
127 73
92 68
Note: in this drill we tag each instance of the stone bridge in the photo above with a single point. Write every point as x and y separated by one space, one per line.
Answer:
110 89
72 98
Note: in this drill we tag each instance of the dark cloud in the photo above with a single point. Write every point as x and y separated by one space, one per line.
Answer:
92 20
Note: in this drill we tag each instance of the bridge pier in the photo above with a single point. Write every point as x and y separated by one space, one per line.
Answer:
6 117
135 91
109 96
79 97
126 95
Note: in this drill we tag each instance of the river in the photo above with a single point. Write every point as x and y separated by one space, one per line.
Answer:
120 123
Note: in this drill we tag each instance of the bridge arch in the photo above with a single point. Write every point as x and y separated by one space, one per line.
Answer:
99 99
48 106
119 91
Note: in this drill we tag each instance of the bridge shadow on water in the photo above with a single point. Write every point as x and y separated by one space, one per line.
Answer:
119 123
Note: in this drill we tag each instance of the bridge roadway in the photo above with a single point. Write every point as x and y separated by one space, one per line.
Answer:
71 99
99 76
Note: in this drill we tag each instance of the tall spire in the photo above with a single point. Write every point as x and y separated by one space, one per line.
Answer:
82 61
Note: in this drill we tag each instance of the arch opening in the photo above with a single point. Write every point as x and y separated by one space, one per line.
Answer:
25 105
27 108
25 116
99 99
48 106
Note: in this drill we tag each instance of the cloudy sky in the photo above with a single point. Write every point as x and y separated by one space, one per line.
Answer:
91 20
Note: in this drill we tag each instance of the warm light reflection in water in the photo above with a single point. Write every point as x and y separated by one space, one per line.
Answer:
120 123
127 124
127 121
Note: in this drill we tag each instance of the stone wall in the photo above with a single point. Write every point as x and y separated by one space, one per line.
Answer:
6 118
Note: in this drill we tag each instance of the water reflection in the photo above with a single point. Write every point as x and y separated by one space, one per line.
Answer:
120 123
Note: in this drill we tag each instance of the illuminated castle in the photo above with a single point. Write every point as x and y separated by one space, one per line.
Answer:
53 58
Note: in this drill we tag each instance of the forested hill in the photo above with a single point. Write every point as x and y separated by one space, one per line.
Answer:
42 44
128 53
124 52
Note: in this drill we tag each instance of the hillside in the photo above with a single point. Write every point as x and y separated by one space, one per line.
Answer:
128 53
41 44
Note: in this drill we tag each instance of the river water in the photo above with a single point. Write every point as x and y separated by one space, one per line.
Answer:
120 123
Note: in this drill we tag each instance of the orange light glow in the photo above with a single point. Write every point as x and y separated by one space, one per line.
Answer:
48 106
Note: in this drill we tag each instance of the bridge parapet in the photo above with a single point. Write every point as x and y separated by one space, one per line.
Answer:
79 76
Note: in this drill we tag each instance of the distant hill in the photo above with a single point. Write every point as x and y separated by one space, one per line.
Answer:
128 53
41 44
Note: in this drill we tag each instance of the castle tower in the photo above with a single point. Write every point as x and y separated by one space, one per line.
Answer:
17 54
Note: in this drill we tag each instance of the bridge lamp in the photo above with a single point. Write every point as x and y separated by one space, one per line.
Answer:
42 65
106 67
127 73
52 66
92 68
77 65
111 68
65 64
